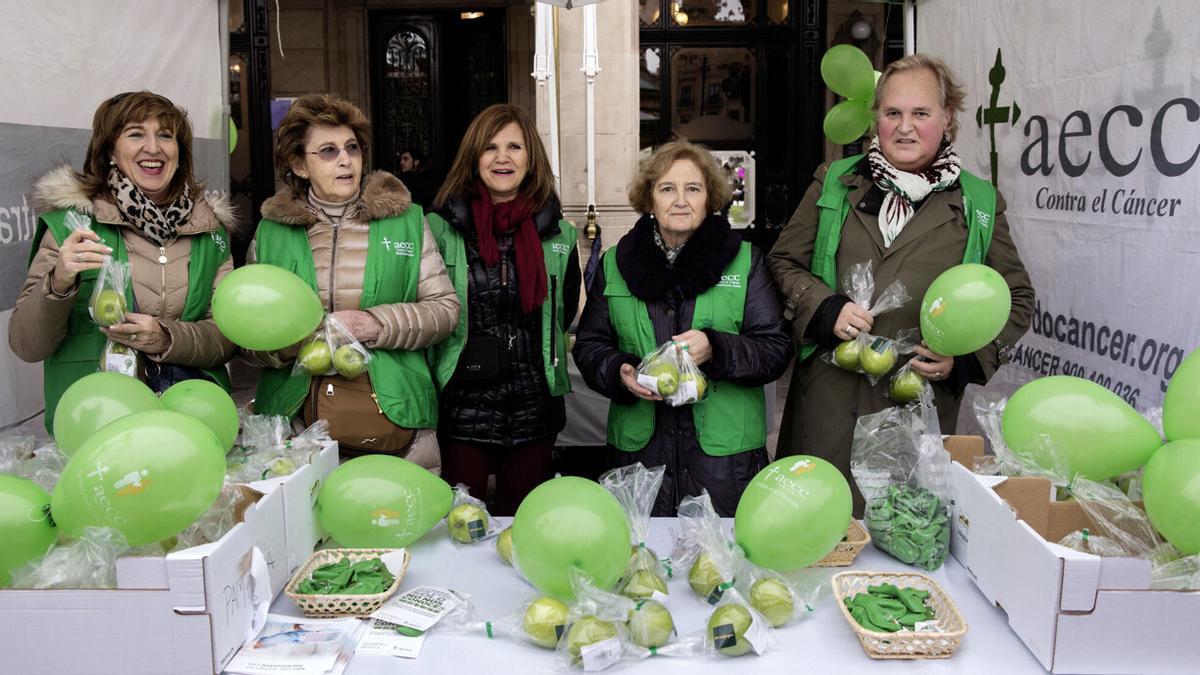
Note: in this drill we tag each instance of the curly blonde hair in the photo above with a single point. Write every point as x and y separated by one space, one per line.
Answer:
641 188
950 90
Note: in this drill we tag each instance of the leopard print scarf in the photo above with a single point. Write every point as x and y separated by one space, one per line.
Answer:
158 224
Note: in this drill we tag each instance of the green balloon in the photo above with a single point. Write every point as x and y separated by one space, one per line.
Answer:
25 525
793 513
1099 434
148 475
964 308
264 307
95 400
233 135
207 402
570 522
380 501
1181 405
847 121
848 73
1171 490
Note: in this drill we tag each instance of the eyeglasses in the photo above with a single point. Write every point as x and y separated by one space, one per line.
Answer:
328 153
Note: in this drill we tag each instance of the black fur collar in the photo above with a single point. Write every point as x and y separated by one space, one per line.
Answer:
698 268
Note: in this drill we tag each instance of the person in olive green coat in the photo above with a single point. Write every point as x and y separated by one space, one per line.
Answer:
905 214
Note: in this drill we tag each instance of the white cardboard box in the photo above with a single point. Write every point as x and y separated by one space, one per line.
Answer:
186 612
1077 613
268 533
299 491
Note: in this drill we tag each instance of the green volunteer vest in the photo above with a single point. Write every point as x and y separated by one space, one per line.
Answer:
443 357
79 352
979 205
400 378
733 417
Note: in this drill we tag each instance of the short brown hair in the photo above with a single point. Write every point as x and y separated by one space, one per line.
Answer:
134 107
315 110
950 91
641 188
538 185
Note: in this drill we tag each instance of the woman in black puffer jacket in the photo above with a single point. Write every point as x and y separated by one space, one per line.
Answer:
513 262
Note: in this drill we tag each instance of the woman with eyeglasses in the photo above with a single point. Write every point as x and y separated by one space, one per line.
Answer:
138 201
368 252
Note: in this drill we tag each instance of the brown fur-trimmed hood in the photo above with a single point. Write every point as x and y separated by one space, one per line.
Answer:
382 196
60 188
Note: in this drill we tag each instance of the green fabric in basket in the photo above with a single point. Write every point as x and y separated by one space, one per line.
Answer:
366 577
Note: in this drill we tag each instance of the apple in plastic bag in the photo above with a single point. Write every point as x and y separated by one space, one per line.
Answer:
666 375
467 523
878 362
642 584
727 629
504 545
773 599
543 621
108 308
906 386
701 384
349 362
704 577
315 357
650 624
846 355
588 631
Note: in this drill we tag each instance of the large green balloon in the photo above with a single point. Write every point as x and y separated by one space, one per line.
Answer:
149 475
964 308
848 72
1171 490
95 400
793 513
264 307
380 501
1181 405
207 402
570 522
847 121
1099 434
25 525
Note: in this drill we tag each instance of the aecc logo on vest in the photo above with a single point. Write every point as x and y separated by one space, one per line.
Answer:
404 248
730 281
561 249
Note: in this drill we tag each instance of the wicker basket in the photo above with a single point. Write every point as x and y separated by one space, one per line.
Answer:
848 549
903 644
341 605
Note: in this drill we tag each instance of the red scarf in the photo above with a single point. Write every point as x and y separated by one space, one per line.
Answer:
514 218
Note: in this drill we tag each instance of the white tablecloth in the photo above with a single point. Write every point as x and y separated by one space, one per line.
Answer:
822 643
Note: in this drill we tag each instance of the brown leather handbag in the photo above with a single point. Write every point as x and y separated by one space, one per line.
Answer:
355 419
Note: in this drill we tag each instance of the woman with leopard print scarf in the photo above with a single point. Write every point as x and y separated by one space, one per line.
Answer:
141 204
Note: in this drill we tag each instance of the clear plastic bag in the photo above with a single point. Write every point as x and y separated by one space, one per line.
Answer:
468 520
706 549
218 520
315 357
15 450
636 488
540 621
735 628
118 358
670 372
350 357
1086 542
858 283
266 451
87 562
107 304
783 599
906 384
44 467
596 636
901 468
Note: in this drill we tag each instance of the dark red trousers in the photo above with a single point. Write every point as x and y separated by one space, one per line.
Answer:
518 469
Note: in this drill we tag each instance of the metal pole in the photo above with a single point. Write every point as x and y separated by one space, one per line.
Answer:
545 59
591 68
910 27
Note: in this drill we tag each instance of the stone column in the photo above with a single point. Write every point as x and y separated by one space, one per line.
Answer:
616 118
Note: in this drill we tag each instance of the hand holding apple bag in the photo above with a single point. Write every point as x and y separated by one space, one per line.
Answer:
871 355
332 349
671 373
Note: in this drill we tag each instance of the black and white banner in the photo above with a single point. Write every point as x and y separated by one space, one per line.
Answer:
61 59
1087 115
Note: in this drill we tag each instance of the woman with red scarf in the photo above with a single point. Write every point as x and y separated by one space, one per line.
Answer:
512 259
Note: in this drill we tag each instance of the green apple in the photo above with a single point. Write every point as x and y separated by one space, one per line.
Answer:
543 621
701 384
315 357
108 307
642 584
879 358
906 386
773 599
588 631
650 624
633 553
727 629
704 577
467 523
349 362
847 354
504 545
667 376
